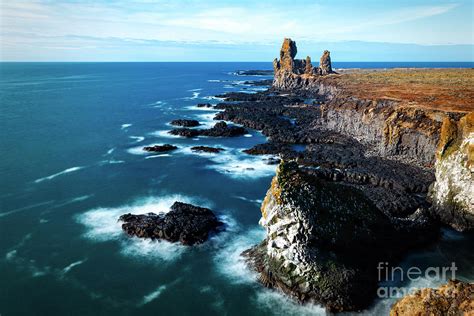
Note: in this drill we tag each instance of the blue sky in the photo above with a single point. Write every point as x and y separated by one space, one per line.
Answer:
146 30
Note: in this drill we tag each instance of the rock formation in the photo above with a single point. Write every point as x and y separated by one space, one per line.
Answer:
185 123
160 148
287 66
220 129
453 298
453 192
185 223
324 239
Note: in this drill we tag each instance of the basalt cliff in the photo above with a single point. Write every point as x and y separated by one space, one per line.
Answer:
387 158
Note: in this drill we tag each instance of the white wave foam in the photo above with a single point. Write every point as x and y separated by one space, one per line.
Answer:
102 225
248 135
111 162
243 198
109 152
229 261
125 126
137 139
72 265
214 80
280 304
164 134
212 97
238 165
69 170
193 90
157 156
153 295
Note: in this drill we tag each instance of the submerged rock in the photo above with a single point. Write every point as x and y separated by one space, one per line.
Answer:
185 123
160 148
204 105
454 298
207 149
185 223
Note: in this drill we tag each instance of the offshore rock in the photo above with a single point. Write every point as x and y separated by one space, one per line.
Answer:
453 192
207 149
454 298
160 148
185 223
324 240
185 123
220 129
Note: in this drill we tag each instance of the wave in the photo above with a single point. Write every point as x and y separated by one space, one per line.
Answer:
109 152
276 303
243 198
163 133
111 162
242 166
193 90
102 225
157 156
72 265
138 139
153 295
69 170
125 126
229 261
25 208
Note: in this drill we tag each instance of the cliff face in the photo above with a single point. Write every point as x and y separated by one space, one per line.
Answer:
324 240
453 192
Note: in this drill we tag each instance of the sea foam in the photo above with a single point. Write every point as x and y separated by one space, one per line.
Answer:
66 171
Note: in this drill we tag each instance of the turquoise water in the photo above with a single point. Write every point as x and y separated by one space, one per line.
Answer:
72 163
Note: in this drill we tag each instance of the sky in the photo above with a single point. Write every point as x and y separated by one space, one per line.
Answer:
146 30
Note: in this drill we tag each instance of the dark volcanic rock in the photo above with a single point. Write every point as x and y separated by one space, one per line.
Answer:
185 223
204 105
207 149
266 82
185 123
160 148
220 129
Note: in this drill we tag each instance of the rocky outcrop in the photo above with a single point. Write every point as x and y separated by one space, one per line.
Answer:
453 298
185 223
288 70
220 129
324 239
160 148
207 149
185 123
453 192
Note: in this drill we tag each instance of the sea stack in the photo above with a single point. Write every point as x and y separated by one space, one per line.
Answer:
287 69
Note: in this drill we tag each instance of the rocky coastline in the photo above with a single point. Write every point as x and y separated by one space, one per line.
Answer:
363 177
376 173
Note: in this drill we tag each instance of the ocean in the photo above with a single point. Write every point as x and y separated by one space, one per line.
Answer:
71 164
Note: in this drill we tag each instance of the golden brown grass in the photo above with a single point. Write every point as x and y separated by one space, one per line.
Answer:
440 89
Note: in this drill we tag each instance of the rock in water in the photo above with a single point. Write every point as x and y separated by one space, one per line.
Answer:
220 129
160 148
207 149
453 298
185 223
185 123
